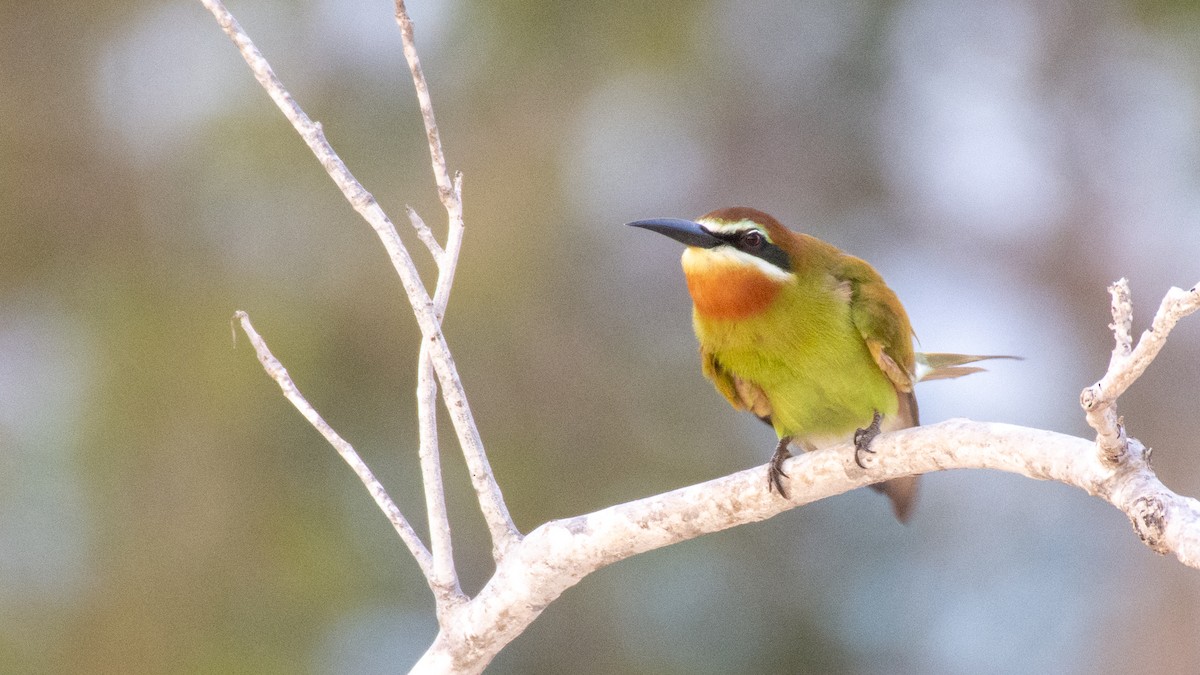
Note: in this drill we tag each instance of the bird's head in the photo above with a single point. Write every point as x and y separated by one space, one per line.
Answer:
735 262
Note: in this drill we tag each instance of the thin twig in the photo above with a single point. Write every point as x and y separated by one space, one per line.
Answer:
435 497
278 373
454 240
1127 364
451 197
1111 439
425 235
444 579
441 174
1122 325
503 531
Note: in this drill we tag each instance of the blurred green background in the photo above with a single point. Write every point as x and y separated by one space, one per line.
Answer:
163 509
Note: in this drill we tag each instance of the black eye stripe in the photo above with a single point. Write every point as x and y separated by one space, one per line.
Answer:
731 238
767 251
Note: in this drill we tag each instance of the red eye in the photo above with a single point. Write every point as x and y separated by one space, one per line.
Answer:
753 240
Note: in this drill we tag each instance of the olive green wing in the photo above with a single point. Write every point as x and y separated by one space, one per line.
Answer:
741 393
884 326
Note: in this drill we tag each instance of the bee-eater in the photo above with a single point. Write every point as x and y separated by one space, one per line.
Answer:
806 337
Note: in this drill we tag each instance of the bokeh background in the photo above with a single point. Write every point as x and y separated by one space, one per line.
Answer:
163 509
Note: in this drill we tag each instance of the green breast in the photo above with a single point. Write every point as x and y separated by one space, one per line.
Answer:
805 353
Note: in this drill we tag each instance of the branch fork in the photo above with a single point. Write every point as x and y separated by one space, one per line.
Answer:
1128 363
436 365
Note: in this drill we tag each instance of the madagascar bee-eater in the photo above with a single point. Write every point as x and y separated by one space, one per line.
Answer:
806 337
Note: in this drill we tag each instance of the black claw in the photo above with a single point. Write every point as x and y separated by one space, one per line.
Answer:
775 472
858 456
863 438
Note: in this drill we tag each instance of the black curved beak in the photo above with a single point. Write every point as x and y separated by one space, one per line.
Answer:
683 231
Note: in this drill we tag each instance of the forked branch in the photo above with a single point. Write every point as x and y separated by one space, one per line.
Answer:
504 533
1128 363
447 262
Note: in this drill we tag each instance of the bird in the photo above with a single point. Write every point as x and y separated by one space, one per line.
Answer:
806 337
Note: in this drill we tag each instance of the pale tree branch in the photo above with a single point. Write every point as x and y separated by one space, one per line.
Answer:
441 174
443 578
447 261
425 235
1128 363
556 555
292 393
503 531
1122 325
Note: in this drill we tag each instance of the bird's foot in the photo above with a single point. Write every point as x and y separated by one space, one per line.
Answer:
775 474
863 438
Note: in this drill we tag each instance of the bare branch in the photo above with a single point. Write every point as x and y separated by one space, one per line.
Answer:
450 192
503 531
435 499
556 555
1122 313
440 173
451 196
1127 364
1175 305
278 373
444 578
454 240
425 235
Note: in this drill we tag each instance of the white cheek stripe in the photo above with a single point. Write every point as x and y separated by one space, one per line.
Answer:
728 255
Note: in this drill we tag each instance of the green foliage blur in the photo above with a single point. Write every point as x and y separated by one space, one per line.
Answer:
164 510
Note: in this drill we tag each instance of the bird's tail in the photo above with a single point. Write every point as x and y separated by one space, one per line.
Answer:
935 366
903 494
